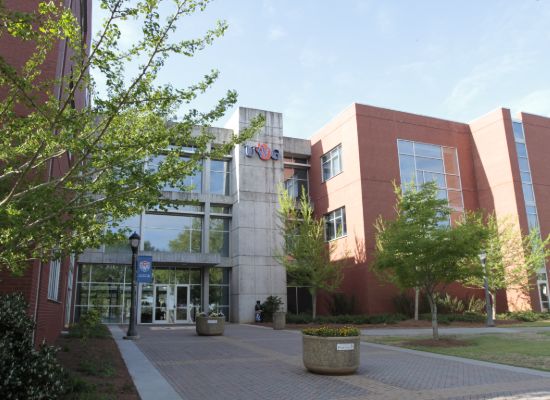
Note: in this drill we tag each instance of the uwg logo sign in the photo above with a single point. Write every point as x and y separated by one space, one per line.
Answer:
263 151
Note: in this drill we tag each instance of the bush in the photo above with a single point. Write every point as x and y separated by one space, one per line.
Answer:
342 304
346 319
299 318
449 305
475 305
25 373
525 316
404 304
270 306
89 326
326 331
448 318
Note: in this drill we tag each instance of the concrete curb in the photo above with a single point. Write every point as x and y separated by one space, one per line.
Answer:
150 384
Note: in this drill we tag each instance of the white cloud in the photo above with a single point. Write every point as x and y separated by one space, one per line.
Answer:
276 33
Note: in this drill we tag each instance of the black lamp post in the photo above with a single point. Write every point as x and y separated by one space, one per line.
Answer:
132 331
488 305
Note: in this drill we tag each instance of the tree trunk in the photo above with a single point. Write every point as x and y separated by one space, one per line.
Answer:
494 304
416 295
433 309
314 303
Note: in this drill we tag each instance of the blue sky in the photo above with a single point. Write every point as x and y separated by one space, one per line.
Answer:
309 59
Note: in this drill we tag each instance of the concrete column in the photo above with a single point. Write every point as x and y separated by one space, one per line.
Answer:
205 288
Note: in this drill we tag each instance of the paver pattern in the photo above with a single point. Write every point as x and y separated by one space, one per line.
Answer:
252 363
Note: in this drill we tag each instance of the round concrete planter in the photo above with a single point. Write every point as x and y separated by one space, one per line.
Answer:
279 320
210 326
331 355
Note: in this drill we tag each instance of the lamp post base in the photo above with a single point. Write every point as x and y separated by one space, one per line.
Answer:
131 337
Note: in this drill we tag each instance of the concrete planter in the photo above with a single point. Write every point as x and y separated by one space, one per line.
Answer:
209 326
331 355
279 320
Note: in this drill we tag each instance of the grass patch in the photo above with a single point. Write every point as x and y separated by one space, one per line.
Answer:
530 350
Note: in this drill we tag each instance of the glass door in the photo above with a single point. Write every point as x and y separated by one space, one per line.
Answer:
182 303
161 297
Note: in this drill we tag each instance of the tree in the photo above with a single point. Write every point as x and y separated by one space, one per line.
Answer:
107 145
305 255
512 258
421 249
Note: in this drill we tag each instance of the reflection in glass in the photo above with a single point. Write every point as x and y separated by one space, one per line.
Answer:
219 236
172 233
220 177
427 150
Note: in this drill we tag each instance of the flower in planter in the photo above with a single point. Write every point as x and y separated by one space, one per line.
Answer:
211 314
326 331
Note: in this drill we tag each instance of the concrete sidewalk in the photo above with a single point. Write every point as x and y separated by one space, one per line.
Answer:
251 363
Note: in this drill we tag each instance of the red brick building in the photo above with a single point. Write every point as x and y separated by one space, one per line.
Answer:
48 286
494 163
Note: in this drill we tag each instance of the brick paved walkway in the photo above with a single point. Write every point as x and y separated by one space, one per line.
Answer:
256 363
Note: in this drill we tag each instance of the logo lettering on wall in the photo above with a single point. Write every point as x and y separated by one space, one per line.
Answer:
263 150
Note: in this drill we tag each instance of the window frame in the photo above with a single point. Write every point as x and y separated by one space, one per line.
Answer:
54 279
330 154
331 217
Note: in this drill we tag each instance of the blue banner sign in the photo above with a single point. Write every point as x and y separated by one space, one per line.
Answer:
145 269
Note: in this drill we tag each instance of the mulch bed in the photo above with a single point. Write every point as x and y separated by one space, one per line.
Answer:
97 369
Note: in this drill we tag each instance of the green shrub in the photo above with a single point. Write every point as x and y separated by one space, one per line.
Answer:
342 304
326 331
89 326
270 306
404 304
525 316
346 319
449 305
445 319
475 305
25 373
299 318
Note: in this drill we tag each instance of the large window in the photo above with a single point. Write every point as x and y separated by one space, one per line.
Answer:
530 205
219 290
105 288
423 162
132 225
193 182
220 218
220 173
296 176
335 224
53 282
172 232
331 163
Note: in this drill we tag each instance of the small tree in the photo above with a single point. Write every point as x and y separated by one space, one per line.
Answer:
420 249
512 258
305 254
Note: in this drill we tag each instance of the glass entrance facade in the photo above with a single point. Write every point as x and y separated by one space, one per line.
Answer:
174 296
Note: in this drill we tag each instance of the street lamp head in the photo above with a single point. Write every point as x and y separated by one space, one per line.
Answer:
483 256
134 241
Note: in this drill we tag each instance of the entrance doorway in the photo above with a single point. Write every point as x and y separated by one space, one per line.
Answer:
171 304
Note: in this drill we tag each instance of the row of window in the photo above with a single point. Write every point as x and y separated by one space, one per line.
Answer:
180 231
220 176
